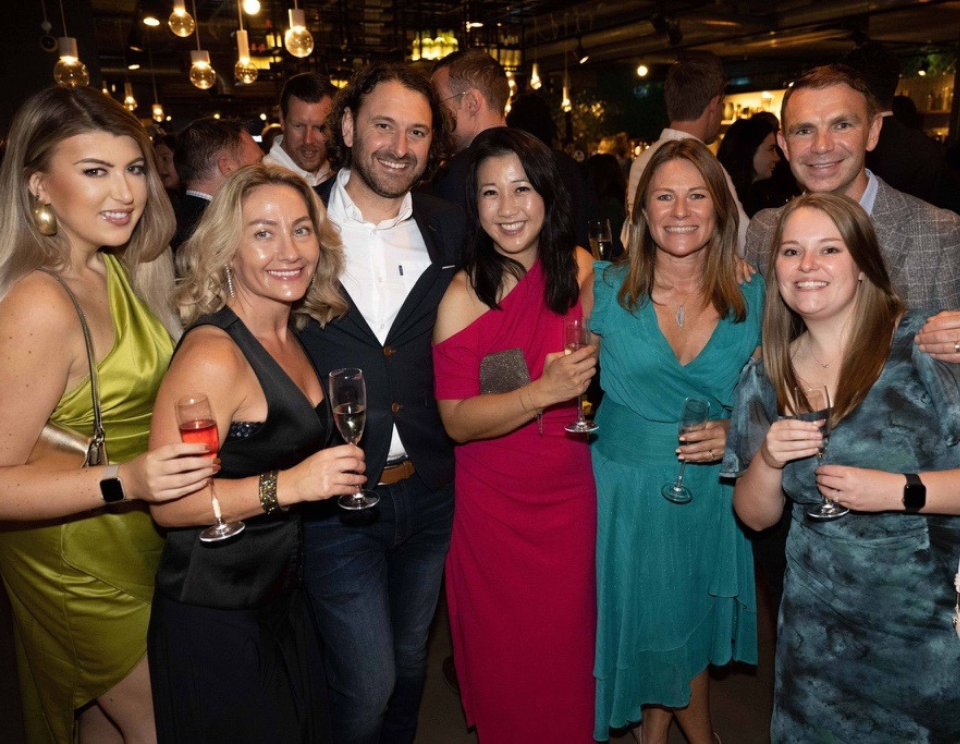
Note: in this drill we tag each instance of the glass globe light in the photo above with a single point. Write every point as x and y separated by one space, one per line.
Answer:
180 21
251 7
129 102
69 71
535 81
244 72
297 40
157 113
565 104
202 75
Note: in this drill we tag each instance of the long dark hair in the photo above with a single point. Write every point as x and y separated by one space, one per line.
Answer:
738 148
485 267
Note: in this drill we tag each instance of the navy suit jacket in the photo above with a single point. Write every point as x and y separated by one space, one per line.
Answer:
399 373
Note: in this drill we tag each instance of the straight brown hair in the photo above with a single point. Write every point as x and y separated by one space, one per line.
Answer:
877 311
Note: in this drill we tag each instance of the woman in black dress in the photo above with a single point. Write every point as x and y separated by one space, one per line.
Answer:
234 656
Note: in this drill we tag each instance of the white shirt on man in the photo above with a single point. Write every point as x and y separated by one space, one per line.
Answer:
640 165
280 157
383 262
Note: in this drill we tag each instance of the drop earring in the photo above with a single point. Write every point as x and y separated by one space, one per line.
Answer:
44 218
231 292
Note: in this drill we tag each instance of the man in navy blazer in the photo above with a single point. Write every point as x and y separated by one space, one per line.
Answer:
374 576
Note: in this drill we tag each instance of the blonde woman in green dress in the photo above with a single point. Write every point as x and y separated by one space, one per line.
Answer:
80 198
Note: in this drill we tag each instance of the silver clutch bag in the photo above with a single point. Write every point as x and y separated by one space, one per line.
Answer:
503 372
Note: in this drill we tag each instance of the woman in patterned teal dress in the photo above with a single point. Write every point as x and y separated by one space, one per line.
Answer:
675 581
865 651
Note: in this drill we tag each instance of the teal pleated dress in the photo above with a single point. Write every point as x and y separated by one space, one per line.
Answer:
675 582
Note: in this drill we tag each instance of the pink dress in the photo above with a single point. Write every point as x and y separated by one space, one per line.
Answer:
520 574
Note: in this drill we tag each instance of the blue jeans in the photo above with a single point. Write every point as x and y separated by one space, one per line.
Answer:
373 578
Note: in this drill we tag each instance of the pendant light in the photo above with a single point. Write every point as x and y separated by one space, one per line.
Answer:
202 75
129 102
69 71
180 21
244 71
156 111
298 40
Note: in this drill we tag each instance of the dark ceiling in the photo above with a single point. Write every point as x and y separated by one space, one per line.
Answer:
766 40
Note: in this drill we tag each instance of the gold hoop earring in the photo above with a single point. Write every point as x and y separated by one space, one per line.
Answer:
231 292
44 218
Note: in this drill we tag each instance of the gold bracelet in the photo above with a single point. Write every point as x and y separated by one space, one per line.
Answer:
268 493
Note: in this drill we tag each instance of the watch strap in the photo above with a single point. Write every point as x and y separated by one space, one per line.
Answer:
111 471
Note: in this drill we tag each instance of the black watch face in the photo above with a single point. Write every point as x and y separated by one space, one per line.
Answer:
112 490
914 496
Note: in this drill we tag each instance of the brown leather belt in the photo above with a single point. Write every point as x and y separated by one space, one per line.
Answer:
396 473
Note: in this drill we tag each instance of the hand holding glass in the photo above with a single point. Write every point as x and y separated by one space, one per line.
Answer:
197 425
576 335
813 404
693 417
601 239
348 398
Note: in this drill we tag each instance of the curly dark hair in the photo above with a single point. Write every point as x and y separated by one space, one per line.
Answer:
361 85
485 267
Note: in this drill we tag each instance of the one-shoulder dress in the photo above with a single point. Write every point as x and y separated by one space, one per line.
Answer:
519 574
675 584
866 651
234 655
81 587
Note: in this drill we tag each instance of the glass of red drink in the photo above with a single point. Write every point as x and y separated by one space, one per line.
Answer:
197 425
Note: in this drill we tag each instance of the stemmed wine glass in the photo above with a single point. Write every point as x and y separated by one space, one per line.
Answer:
692 418
601 239
813 404
576 335
198 426
348 398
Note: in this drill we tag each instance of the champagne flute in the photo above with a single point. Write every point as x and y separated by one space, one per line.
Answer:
576 335
601 239
348 398
693 417
813 404
197 425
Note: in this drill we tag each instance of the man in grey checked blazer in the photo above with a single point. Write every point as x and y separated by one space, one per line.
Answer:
830 120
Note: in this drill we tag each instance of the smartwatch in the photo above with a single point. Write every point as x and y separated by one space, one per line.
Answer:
914 494
111 487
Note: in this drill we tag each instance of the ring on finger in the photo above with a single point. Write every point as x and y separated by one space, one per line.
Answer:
956 347
711 454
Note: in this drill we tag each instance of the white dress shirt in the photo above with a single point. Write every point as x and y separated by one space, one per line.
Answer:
383 263
280 157
640 165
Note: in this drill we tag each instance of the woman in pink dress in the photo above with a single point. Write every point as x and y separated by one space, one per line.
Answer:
520 572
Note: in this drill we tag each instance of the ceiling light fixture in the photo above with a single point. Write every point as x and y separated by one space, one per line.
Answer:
642 70
244 71
298 40
129 102
180 21
202 74
582 55
535 81
251 7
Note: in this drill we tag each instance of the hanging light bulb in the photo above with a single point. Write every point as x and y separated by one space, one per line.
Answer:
297 40
156 113
244 72
643 70
565 104
69 71
535 81
180 21
251 7
202 75
129 102
105 90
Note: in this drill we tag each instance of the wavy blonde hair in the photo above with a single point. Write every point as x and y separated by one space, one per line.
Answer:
42 123
203 258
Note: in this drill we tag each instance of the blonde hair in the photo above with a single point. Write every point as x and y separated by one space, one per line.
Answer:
719 281
204 257
42 123
877 310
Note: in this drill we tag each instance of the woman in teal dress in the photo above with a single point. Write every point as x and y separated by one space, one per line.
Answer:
81 202
675 581
866 651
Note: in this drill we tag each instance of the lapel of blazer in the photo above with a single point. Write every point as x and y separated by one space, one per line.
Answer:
891 222
433 239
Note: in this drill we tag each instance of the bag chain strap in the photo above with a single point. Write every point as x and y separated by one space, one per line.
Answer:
98 434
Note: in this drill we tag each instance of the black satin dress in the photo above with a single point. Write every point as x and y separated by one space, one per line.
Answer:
234 654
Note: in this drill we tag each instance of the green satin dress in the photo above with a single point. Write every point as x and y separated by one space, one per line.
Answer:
81 587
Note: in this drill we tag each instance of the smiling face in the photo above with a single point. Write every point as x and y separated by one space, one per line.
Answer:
679 210
816 274
303 137
279 248
766 157
511 212
96 185
389 139
826 135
